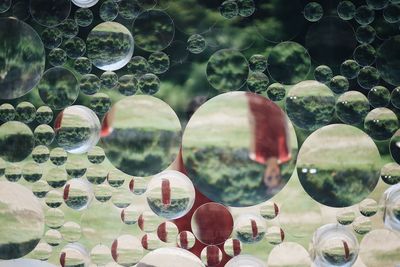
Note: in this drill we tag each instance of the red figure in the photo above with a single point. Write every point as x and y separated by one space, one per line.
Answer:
162 232
236 247
145 243
114 247
166 193
254 228
66 192
183 240
213 255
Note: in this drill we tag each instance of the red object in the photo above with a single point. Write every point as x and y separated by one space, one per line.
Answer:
213 255
145 243
114 247
254 228
166 193
346 250
162 232
62 259
123 216
132 184
66 192
183 240
141 222
276 209
106 128
236 247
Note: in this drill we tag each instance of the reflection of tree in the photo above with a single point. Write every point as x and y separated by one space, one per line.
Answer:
381 129
352 112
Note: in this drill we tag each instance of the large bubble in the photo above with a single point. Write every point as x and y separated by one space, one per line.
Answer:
110 46
245 260
143 135
77 129
388 60
23 58
338 165
170 257
23 219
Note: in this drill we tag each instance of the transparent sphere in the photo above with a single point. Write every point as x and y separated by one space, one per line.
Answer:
269 210
77 194
54 218
185 240
276 92
31 171
368 207
100 255
323 73
334 245
229 9
40 188
149 221
85 3
245 260
196 43
74 254
250 228
26 112
289 254
53 237
44 135
313 11
352 107
390 173
211 255
170 257
346 10
381 123
44 115
127 250
7 112
170 194
16 141
391 202
77 129
151 242
233 247
102 192
345 216
71 232
167 232
362 225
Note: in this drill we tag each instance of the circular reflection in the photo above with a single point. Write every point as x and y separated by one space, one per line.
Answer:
338 165
74 255
368 77
346 216
334 245
24 219
349 69
127 250
71 232
233 247
245 260
89 84
7 112
150 241
365 34
69 28
339 84
127 85
85 3
83 17
40 188
269 210
137 66
148 221
212 223
275 235
26 112
110 46
227 70
381 123
96 174
258 63
44 115
56 177
170 194
41 252
388 60
51 37
54 218
54 199
13 172
44 135
310 105
211 256
391 202
158 62
49 13
364 15
5 5
31 172
330 41
379 96
242 130
149 84
346 10
103 192
313 11
362 225
390 173
299 256
75 48
352 107
167 232
374 254
196 44
100 103
395 146
23 58
16 141
77 194
323 73
170 257
100 255
108 10
276 92
58 88
77 129
185 240
153 30
57 57
229 9
143 135
257 82
75 166
40 154
250 228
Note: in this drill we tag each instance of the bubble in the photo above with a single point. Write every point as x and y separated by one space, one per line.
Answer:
275 235
44 115
20 10
345 216
54 218
85 3
185 240
31 172
276 92
170 257
257 82
110 46
127 85
394 146
116 178
196 43
51 37
44 135
390 173
74 255
368 77
249 228
346 10
349 69
372 251
137 185
245 260
5 6
365 34
109 79
342 172
49 13
392 13
40 188
26 112
100 255
130 214
299 256
58 156
77 129
154 139
127 250
233 247
391 207
229 9
69 28
100 103
96 174
138 66
387 61
352 107
41 252
379 96
153 30
258 63
368 207
25 221
83 17
158 62
58 88
339 84
16 141
167 232
108 10
40 154
323 74
334 245
71 231
269 210
330 41
310 105
56 177
53 237
211 255
377 4
170 194
75 167
313 11
288 69
381 123
365 54
22 53
122 198
75 48
77 195
212 223
103 192
246 8
227 70
83 65
57 57
13 172
89 84
149 84
362 225
7 112
364 15
150 242
129 9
